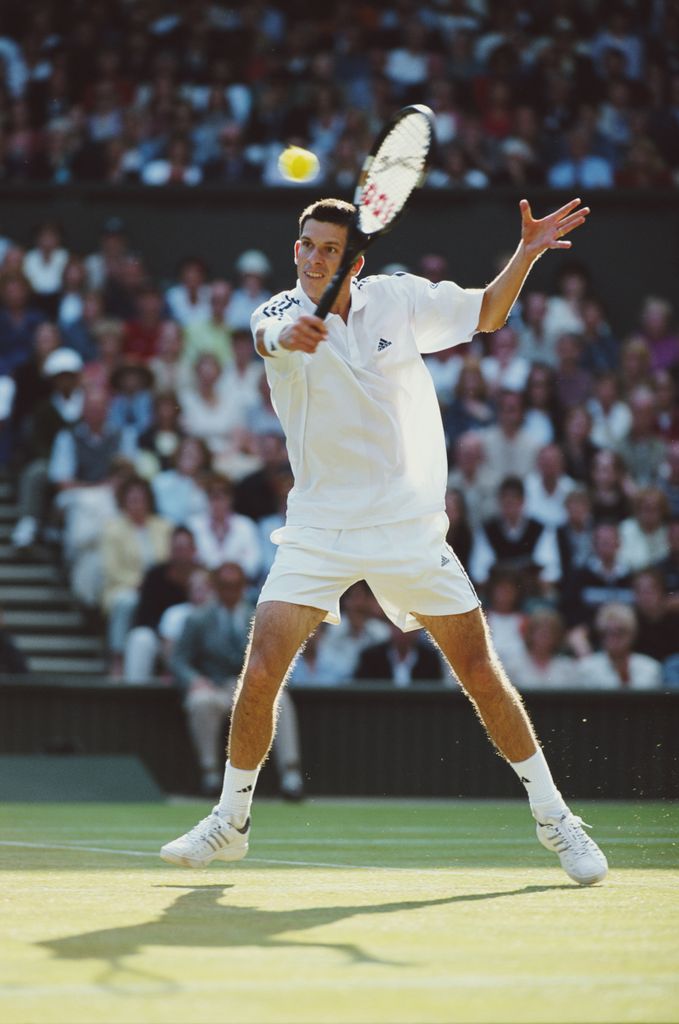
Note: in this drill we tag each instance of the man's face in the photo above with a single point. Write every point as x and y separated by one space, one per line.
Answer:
229 584
550 462
510 410
606 542
318 253
182 549
511 505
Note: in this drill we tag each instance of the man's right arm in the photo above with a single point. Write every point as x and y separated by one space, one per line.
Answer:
276 338
62 465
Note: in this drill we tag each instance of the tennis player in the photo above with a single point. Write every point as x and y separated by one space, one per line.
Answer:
366 445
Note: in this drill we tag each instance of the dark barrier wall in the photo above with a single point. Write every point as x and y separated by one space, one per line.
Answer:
371 740
630 244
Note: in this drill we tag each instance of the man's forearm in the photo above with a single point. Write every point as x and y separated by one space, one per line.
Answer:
501 294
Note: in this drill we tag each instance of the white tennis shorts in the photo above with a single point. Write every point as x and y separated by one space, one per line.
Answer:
408 566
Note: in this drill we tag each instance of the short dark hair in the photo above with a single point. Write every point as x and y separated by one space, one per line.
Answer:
182 530
132 483
330 211
218 485
512 485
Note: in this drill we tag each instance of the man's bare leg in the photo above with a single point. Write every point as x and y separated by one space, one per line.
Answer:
466 644
278 632
465 641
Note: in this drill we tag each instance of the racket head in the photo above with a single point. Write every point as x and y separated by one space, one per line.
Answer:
396 165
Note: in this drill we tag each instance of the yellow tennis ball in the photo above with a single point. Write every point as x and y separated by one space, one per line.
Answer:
297 164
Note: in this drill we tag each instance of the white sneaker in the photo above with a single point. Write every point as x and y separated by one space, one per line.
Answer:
580 856
292 785
24 532
213 838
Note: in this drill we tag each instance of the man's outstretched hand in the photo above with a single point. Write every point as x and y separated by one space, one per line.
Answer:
537 236
548 232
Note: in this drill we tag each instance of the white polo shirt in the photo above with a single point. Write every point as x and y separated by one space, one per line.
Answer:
361 418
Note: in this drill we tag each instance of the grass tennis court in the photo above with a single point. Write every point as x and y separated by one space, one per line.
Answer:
363 911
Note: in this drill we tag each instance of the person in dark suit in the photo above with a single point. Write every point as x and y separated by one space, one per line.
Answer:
12 659
404 659
516 541
574 537
206 662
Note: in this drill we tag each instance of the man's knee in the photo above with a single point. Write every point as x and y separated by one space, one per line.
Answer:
479 670
264 672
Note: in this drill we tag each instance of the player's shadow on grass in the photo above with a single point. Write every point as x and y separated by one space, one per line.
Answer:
200 919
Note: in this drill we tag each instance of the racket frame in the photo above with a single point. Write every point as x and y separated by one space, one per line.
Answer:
358 241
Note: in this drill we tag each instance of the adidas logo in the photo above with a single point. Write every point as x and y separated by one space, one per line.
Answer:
246 789
444 560
383 343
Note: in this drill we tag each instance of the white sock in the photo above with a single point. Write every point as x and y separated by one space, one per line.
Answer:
237 792
544 798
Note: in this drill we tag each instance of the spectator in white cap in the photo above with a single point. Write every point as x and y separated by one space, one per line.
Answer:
253 269
64 406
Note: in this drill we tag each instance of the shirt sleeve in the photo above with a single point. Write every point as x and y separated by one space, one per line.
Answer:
546 555
444 315
277 309
251 551
62 464
482 557
186 653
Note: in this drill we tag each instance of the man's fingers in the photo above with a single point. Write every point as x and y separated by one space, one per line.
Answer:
567 225
574 221
567 208
525 209
314 323
308 334
310 345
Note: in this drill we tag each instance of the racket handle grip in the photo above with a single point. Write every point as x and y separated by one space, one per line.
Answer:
330 294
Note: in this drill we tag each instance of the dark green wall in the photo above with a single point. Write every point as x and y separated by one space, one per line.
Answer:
369 739
630 244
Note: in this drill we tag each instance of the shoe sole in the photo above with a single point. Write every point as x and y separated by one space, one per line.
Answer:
589 880
170 857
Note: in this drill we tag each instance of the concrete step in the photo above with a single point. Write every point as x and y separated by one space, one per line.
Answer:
29 572
7 492
9 512
35 597
71 646
26 620
53 665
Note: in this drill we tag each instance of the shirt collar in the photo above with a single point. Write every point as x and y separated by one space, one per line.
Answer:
358 297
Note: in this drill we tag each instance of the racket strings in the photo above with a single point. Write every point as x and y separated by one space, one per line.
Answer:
394 172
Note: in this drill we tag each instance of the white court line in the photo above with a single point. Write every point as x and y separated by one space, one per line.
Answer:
250 860
143 853
451 842
476 982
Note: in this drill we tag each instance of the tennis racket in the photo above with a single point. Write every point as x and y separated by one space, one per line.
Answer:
394 168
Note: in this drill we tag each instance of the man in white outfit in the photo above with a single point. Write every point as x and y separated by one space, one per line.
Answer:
367 450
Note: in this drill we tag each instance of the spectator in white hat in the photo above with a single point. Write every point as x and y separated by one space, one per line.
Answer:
63 408
253 269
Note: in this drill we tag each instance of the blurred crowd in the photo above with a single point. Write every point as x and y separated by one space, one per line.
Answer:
570 93
137 422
